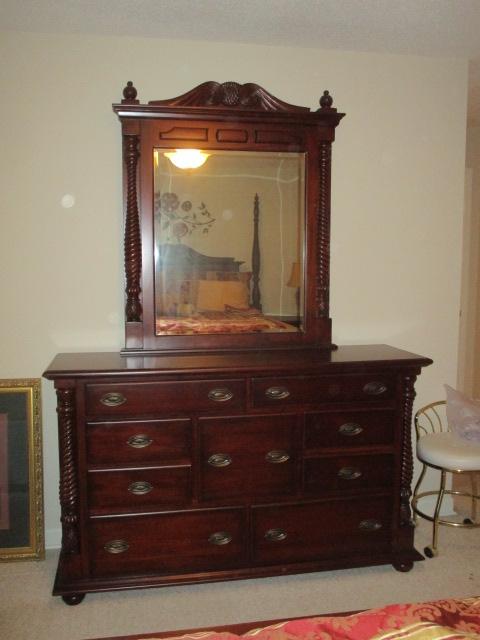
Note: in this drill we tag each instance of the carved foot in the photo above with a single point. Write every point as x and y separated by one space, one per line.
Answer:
403 567
74 598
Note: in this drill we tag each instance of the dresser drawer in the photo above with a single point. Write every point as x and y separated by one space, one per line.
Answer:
149 398
330 529
131 490
168 543
348 473
138 442
247 457
349 429
300 390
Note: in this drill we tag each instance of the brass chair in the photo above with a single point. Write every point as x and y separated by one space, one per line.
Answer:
438 448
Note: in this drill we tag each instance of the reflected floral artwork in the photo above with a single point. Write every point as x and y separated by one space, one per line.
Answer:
178 219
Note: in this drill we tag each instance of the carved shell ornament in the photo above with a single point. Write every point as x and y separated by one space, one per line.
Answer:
232 94
228 94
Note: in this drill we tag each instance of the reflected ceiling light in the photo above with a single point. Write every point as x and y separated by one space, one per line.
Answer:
187 158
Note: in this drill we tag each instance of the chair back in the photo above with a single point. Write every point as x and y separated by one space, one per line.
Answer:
432 418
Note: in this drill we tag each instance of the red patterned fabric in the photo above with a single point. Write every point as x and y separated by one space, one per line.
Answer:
450 619
209 322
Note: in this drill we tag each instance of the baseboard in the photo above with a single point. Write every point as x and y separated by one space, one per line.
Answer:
53 538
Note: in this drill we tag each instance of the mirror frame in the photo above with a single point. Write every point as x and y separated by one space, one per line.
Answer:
227 116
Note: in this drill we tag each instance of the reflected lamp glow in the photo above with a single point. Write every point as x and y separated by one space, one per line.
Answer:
295 281
187 158
295 276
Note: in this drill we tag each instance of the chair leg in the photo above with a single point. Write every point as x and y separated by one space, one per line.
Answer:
473 480
432 551
415 492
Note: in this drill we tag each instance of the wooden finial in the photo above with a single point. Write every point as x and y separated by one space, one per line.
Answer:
129 94
326 101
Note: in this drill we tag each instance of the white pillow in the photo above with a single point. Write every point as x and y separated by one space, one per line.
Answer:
463 415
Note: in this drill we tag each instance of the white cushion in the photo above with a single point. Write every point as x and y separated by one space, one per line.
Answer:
449 451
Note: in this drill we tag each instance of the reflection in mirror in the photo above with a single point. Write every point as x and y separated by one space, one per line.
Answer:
229 242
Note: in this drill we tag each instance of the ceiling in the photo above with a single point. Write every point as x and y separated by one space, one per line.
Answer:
419 27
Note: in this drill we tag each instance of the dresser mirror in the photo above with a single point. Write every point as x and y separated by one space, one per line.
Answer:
227 220
228 241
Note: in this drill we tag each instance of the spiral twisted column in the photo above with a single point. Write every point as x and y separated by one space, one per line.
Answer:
132 241
68 470
407 455
256 256
323 237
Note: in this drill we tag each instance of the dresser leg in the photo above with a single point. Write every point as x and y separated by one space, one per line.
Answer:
74 598
403 567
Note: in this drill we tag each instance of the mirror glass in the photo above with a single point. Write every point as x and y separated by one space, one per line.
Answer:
229 242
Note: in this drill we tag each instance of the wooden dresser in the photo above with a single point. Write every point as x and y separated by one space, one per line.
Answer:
182 468
230 438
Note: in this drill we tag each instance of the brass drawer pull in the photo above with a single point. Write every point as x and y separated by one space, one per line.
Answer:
350 429
220 538
140 487
370 524
275 535
349 473
116 546
277 456
277 393
219 460
139 441
374 388
113 399
220 395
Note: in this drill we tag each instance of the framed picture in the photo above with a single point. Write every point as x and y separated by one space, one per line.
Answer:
21 486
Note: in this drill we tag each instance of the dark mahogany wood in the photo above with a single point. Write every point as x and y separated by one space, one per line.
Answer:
301 390
326 529
166 543
134 490
262 457
147 398
196 467
349 473
133 242
138 442
344 429
202 118
249 96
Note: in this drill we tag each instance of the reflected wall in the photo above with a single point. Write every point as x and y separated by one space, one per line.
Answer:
229 239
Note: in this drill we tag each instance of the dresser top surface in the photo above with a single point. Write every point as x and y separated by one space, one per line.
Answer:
232 362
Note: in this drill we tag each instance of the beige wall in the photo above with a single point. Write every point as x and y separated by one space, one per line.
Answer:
469 353
469 343
397 195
